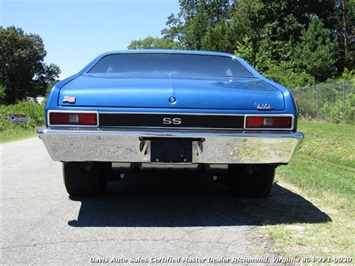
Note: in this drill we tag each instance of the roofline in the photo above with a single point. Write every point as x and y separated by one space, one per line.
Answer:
168 51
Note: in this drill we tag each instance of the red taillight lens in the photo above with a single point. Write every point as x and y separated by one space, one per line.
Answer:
282 122
73 119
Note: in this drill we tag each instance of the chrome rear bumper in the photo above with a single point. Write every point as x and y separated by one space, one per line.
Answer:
108 145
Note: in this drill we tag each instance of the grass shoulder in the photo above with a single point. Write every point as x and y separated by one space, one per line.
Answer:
310 214
16 135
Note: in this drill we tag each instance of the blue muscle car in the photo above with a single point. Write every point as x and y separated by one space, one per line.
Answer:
159 108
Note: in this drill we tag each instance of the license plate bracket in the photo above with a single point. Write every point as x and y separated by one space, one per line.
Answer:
171 150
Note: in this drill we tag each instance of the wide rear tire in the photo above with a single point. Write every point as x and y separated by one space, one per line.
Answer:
251 181
80 182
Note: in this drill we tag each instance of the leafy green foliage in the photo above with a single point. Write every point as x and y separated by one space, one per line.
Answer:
344 21
296 43
285 74
195 17
316 51
34 115
218 38
33 111
2 94
23 72
153 43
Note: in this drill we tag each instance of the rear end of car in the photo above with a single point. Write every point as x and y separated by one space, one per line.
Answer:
148 109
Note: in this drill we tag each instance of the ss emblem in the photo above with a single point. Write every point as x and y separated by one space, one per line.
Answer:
172 121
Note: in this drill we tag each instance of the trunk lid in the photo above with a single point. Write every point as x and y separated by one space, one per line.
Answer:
171 92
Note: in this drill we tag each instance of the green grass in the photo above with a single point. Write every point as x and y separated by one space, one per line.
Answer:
315 215
324 166
16 135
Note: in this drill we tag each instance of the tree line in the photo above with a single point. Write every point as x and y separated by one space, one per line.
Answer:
23 72
295 42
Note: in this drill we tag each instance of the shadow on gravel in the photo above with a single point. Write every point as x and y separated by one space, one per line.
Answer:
187 199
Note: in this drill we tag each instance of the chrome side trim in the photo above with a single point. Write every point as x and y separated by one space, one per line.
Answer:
171 113
247 147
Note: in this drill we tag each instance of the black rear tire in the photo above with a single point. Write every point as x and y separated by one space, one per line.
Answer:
79 182
251 181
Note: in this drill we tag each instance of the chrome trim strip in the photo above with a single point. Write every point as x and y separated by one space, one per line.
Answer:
170 113
252 147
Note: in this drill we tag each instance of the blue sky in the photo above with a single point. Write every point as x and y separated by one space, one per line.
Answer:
76 32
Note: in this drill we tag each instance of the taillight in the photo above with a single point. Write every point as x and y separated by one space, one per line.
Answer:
281 122
87 119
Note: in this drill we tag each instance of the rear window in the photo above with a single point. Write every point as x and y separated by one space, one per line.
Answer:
169 64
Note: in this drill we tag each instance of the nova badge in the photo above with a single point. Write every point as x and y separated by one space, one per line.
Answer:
262 106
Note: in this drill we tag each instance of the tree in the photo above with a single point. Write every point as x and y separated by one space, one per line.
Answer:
245 49
196 29
285 74
153 43
345 30
194 19
219 38
23 72
316 53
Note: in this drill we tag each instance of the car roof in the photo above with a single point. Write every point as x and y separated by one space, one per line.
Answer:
168 51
